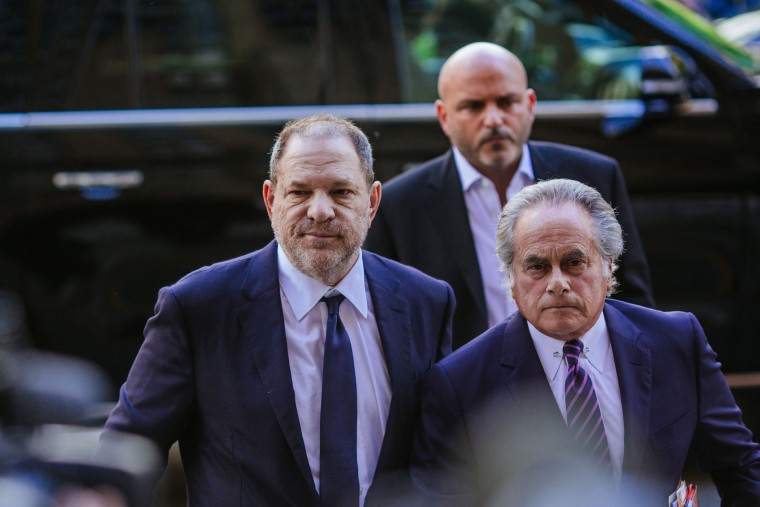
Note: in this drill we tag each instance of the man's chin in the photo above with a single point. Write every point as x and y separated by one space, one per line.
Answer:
496 160
318 259
316 255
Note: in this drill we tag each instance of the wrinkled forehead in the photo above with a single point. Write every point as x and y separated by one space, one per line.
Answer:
555 229
319 158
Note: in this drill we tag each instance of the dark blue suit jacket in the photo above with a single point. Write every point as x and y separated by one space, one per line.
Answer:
423 222
213 373
489 420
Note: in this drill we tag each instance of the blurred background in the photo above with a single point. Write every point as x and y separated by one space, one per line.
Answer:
134 139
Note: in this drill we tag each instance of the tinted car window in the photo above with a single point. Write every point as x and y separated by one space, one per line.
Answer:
570 52
565 54
93 54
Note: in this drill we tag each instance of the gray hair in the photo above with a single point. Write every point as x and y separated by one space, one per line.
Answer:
552 193
323 126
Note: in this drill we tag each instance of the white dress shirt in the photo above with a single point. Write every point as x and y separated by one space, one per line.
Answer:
305 319
599 363
483 208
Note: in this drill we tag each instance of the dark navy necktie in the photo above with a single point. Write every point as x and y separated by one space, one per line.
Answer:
338 470
583 415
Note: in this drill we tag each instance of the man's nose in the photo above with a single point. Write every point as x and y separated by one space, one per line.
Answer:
321 207
558 282
494 116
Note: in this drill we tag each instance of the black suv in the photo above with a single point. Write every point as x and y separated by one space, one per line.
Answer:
134 138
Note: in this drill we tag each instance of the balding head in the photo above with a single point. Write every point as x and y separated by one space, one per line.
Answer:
469 59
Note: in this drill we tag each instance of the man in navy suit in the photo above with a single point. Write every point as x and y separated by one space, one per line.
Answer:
441 217
231 366
496 426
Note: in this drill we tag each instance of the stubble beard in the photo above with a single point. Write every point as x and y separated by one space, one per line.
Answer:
328 264
508 156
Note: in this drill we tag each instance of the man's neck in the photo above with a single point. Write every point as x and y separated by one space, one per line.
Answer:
500 178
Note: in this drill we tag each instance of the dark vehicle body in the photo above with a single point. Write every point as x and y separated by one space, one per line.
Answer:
135 136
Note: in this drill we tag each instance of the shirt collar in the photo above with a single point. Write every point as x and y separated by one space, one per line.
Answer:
596 345
469 175
303 291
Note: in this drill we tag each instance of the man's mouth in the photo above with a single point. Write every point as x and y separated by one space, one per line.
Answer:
319 235
490 140
560 307
498 138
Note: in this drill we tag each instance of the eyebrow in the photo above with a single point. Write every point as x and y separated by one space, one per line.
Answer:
536 258
480 100
575 252
469 101
533 259
342 182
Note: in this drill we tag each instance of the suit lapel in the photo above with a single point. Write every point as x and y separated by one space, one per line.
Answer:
449 214
634 370
393 323
263 328
526 380
545 168
540 165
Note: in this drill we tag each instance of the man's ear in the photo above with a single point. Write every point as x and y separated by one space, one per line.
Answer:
531 97
440 111
375 193
610 285
268 192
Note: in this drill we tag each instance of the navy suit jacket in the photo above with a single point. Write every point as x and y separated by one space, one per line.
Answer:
213 373
494 392
423 222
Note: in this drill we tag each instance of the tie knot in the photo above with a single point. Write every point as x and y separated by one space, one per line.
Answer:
572 350
333 303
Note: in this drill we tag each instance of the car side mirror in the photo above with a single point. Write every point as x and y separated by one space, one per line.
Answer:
669 77
665 75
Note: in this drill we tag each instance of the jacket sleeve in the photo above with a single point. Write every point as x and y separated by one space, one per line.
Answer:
722 443
445 343
159 390
443 466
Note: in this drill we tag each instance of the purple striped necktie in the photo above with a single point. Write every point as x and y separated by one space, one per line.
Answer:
583 415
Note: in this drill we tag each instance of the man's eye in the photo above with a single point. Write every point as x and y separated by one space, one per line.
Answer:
342 192
297 193
505 103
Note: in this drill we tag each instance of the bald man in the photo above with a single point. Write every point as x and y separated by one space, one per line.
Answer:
441 217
